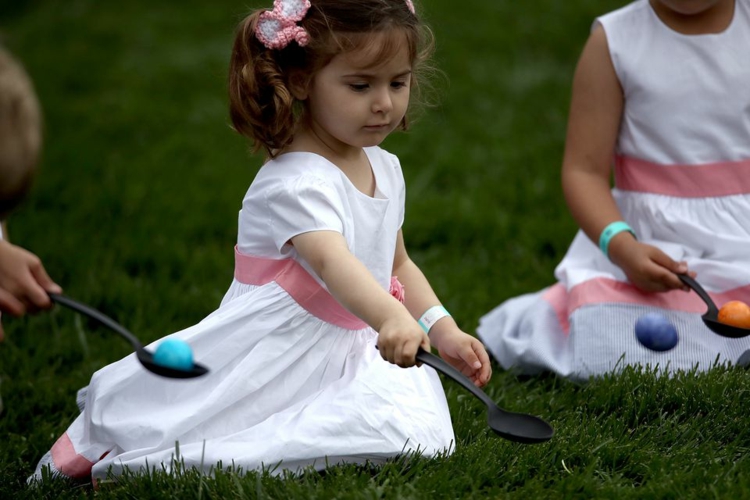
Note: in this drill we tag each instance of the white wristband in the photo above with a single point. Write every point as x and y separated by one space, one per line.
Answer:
431 316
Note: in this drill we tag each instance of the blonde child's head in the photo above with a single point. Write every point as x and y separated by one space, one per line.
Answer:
267 65
20 133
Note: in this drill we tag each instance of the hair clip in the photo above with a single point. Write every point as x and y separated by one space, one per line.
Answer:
410 4
277 27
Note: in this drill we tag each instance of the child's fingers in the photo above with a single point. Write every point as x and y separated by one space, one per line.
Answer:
395 357
385 350
35 284
410 348
669 279
425 345
407 354
482 374
41 277
10 304
391 353
36 297
666 262
486 371
392 350
399 355
469 356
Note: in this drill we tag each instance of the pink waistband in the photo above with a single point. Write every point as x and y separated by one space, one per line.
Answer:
298 283
685 181
610 291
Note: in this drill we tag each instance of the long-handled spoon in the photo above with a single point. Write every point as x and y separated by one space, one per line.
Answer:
517 427
144 356
711 317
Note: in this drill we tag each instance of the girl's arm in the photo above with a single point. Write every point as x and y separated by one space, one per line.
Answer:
464 352
595 113
352 284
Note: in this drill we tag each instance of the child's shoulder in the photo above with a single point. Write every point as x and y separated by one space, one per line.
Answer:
627 13
304 164
298 165
627 30
381 154
296 173
380 158
301 171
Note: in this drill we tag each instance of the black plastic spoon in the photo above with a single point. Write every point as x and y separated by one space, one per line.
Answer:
711 317
517 427
144 356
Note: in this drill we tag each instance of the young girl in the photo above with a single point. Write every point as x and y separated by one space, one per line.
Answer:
303 350
662 88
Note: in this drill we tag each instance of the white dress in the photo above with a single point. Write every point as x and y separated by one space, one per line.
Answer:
295 380
682 182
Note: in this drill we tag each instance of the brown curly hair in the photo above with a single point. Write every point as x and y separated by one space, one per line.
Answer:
20 133
262 106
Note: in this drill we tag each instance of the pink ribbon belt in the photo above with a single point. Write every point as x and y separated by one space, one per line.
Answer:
298 283
685 181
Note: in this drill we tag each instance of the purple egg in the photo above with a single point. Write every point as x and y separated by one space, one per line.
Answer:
654 331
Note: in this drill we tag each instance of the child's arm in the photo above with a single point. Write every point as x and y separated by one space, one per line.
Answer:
595 113
23 282
465 352
352 284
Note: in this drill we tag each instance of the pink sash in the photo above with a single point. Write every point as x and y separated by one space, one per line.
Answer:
298 283
685 181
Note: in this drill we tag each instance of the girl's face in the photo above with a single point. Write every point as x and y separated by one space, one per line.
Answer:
354 103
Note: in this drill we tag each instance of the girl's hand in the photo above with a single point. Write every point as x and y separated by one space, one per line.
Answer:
352 284
399 339
646 266
466 354
23 282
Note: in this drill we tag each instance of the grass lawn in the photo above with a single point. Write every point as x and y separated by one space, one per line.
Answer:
134 212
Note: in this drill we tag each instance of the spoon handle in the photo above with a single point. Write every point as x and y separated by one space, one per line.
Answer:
712 309
98 316
440 365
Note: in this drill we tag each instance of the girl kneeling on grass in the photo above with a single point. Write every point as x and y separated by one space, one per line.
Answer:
660 95
295 377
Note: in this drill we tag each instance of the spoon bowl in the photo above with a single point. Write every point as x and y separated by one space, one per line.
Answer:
711 317
147 360
516 427
144 357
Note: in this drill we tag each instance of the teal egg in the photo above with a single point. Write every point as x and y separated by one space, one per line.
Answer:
175 354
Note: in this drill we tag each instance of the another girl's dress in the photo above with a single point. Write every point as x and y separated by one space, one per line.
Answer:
682 181
295 379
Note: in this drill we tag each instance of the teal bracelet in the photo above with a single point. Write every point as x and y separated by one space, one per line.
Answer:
610 232
431 316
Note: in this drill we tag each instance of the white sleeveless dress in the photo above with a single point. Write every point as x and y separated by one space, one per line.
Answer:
295 379
682 182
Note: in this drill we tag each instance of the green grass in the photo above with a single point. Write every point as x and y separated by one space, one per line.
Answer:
134 212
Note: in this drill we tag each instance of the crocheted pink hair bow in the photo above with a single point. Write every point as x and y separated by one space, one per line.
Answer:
277 27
